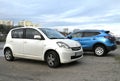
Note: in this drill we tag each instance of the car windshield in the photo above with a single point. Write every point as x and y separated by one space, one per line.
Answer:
52 34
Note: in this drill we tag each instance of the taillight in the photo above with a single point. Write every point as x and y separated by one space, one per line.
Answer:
110 38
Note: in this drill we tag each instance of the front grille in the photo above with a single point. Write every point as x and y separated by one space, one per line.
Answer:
74 57
75 48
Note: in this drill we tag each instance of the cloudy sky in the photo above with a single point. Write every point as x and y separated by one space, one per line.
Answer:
82 14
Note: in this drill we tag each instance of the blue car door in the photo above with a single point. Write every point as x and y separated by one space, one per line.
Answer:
78 37
84 38
84 41
88 40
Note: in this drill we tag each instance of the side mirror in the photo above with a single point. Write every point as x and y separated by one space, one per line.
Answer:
69 37
37 37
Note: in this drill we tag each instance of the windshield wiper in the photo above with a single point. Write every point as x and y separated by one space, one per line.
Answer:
53 38
56 38
62 38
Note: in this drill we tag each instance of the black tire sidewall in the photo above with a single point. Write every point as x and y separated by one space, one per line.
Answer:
11 57
57 59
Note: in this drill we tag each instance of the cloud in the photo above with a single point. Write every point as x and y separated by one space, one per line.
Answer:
111 16
62 13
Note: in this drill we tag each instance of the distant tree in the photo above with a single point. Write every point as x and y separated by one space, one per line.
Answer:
4 29
75 30
17 26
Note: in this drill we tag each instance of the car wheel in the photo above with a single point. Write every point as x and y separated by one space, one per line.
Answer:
8 55
99 50
52 59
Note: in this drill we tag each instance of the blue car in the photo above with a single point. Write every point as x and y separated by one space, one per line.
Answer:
98 41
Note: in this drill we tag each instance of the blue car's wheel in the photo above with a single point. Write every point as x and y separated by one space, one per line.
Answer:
100 50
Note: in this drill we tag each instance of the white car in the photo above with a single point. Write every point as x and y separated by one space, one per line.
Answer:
41 44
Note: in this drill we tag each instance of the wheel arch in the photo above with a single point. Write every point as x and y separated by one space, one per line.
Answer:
6 49
98 44
49 51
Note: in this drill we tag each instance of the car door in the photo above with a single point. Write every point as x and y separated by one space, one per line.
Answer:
85 38
78 37
33 48
17 42
89 39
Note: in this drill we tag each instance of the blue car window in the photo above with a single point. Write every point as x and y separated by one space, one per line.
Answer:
77 35
89 34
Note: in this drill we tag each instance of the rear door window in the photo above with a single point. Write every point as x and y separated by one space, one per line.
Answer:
89 34
18 33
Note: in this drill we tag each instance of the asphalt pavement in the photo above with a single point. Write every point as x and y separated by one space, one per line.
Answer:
89 68
1 48
1 45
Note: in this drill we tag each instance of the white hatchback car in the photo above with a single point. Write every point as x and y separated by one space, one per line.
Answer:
41 44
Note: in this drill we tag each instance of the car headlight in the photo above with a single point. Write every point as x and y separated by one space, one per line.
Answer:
63 45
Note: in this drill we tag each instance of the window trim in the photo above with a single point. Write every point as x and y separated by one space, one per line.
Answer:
91 35
17 37
42 38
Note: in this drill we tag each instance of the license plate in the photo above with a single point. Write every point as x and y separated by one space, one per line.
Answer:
77 53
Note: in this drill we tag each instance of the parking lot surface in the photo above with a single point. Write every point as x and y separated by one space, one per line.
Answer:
90 68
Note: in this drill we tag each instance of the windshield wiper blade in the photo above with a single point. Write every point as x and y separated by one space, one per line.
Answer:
62 38
53 38
57 38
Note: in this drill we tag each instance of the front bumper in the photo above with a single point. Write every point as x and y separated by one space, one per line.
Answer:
68 55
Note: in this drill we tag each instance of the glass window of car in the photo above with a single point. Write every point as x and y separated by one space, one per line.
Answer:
18 33
77 35
30 33
89 34
52 34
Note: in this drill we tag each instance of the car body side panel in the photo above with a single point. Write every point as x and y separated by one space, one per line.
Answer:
88 42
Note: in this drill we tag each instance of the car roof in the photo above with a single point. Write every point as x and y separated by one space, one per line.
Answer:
25 27
92 30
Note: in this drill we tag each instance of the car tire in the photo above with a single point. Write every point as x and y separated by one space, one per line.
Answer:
52 59
8 55
100 50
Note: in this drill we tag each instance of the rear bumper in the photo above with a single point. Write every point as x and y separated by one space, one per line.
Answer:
110 48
